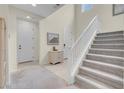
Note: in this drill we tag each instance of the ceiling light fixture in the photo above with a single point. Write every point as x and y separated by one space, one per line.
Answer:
34 5
28 17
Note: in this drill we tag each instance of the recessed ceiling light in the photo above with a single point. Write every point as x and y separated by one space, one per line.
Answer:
28 17
34 5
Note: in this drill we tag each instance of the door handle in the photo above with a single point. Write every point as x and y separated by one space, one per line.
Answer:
20 47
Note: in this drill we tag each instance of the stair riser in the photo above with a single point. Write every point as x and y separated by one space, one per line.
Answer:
84 85
108 81
111 53
108 46
111 70
109 37
110 34
106 59
109 42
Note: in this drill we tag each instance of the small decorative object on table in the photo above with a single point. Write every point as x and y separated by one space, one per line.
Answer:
54 48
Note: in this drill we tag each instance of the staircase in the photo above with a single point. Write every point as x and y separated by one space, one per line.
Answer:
103 66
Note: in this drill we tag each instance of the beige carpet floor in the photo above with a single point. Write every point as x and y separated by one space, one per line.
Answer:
37 77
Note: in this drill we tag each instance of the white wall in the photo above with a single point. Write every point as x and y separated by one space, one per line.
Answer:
83 18
110 22
3 11
104 11
55 23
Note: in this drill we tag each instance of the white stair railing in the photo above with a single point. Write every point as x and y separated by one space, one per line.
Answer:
80 47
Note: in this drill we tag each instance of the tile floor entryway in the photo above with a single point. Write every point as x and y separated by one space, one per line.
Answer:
34 76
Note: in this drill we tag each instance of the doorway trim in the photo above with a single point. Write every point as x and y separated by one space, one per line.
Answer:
37 24
3 50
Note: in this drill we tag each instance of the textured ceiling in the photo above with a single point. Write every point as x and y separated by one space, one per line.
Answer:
42 10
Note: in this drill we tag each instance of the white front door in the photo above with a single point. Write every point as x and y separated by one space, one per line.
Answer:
24 41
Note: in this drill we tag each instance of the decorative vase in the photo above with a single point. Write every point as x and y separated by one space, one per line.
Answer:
54 48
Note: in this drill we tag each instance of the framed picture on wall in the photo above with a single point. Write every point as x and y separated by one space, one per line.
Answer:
52 38
118 9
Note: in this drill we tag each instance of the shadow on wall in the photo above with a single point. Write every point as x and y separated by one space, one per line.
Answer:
44 59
